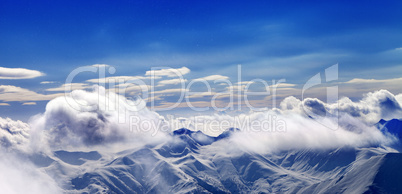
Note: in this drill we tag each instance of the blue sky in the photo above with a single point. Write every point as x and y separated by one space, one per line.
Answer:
271 40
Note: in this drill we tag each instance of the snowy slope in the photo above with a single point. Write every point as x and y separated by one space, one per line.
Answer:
191 163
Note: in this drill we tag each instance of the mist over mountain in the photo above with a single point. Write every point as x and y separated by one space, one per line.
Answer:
200 97
75 148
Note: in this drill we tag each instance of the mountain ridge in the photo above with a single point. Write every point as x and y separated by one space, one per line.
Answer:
189 163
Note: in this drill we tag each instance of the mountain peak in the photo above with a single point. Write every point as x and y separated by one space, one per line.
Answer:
182 131
227 133
393 126
382 121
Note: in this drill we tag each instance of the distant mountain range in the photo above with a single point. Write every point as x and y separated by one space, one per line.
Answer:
190 164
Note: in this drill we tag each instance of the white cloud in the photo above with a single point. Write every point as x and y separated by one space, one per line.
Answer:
18 73
271 131
47 82
131 87
372 81
69 87
171 82
118 79
304 133
29 103
239 86
95 117
202 94
19 175
212 78
283 85
168 72
360 86
11 93
13 134
236 88
171 91
374 106
399 98
84 119
244 82
354 88
364 113
4 104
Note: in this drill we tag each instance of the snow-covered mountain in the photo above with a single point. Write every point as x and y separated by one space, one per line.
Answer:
191 162
86 149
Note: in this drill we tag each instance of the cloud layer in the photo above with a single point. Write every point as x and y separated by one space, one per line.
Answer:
13 134
18 73
95 117
18 175
9 93
168 72
303 124
374 106
106 122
